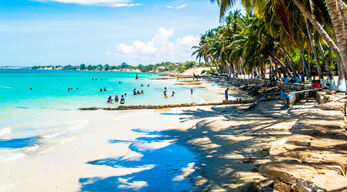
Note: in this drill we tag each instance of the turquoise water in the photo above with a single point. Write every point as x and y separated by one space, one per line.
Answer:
26 113
47 115
50 89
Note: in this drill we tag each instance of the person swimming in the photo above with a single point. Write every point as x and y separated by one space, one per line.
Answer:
116 99
109 100
138 93
105 89
134 91
122 100
142 93
173 93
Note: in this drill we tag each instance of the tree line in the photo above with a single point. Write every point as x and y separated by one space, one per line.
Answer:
159 67
285 37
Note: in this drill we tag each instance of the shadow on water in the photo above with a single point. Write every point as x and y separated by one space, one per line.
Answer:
158 167
18 143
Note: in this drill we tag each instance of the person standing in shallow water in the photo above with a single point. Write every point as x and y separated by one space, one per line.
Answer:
122 100
165 91
226 94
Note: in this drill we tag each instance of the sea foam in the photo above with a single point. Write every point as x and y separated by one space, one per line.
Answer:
5 131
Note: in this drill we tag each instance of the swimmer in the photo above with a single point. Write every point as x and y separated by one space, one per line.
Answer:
173 93
138 93
142 93
101 90
109 100
191 90
165 90
122 100
31 88
93 79
119 82
105 89
141 85
116 99
96 79
76 88
68 89
101 79
134 91
125 94
148 85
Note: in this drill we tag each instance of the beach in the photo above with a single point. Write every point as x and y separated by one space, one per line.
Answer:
194 148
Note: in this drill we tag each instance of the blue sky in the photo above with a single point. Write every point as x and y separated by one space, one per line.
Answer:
63 32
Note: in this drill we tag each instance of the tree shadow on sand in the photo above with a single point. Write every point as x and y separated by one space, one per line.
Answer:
156 167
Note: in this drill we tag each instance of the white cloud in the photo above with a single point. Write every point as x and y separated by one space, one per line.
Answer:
158 49
169 6
182 6
111 3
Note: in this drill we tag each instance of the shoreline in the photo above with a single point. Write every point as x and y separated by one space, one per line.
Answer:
104 151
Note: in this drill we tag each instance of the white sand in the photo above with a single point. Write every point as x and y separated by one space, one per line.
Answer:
59 166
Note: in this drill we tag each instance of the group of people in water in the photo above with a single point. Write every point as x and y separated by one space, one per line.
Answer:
138 92
165 93
97 79
116 99
122 99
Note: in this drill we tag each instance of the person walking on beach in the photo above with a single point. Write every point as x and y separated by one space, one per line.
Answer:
226 93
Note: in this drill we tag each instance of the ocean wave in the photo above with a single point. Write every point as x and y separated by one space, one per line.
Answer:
5 131
10 155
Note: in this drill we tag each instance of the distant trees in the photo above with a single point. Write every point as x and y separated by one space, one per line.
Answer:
159 67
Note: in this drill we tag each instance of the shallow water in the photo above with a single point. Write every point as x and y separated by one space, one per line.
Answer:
48 115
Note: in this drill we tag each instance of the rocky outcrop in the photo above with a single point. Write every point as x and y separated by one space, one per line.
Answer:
132 107
314 158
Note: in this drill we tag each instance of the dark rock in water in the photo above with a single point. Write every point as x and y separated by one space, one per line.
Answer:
267 189
250 187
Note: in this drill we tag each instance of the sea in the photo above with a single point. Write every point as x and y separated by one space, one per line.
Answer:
37 107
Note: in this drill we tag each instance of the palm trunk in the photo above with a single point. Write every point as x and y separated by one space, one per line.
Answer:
319 70
330 80
271 69
280 62
208 63
340 33
308 74
308 56
341 5
318 27
288 60
341 83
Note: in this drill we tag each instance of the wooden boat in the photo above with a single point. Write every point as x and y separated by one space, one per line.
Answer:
291 98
